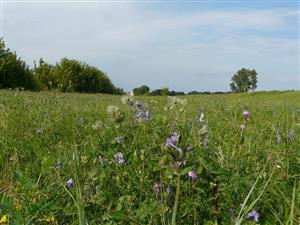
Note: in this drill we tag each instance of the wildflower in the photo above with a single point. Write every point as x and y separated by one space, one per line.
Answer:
192 175
180 163
3 219
97 125
173 140
59 164
140 114
119 158
243 127
139 105
147 115
50 219
246 114
253 215
231 211
169 189
39 131
119 139
117 115
291 134
156 187
70 183
201 118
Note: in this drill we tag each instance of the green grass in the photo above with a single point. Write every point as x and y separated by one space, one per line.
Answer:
238 170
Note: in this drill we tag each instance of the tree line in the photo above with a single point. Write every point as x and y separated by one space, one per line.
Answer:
67 75
70 75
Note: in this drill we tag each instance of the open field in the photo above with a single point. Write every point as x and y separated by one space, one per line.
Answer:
72 159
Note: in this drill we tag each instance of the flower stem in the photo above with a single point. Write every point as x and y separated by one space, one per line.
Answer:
176 200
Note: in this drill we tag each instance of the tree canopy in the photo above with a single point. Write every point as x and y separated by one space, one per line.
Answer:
13 71
244 80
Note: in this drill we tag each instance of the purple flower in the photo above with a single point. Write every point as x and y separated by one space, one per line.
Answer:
246 114
140 114
291 134
59 164
156 187
173 140
192 175
253 215
231 211
139 105
70 183
119 158
39 131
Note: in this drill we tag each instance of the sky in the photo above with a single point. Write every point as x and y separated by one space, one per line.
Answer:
182 45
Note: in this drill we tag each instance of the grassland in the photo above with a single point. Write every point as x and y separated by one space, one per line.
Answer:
59 161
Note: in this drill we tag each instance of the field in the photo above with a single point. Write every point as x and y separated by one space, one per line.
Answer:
94 159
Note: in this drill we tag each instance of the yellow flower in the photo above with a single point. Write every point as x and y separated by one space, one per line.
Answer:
3 219
50 219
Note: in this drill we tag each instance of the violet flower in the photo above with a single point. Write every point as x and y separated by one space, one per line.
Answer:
156 187
139 105
246 114
291 134
253 215
173 140
192 175
119 158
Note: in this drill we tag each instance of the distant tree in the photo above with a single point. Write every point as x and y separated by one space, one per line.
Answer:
13 71
244 80
156 92
142 90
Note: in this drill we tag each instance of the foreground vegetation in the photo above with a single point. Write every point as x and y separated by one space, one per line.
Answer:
94 159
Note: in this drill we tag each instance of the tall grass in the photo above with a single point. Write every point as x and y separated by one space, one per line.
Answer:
237 171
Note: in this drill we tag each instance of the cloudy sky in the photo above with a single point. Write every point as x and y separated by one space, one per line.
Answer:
193 45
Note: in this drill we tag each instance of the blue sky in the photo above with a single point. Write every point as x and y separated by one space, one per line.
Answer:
181 45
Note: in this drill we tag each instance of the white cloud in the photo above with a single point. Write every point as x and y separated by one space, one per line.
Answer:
135 44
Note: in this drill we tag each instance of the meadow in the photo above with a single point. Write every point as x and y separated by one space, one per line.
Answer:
103 159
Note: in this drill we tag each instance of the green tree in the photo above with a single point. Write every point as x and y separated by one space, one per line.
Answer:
142 90
42 73
73 75
13 71
244 80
